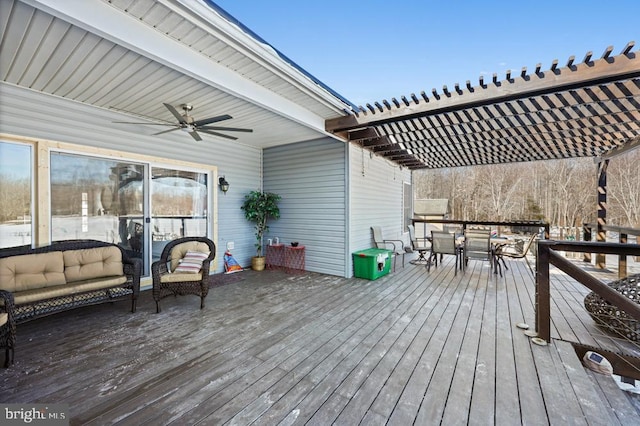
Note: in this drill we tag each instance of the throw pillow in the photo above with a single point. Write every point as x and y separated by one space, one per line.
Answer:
191 263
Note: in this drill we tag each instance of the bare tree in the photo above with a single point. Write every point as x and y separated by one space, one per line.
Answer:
623 182
562 192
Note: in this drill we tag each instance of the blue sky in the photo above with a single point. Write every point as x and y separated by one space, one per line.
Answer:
372 50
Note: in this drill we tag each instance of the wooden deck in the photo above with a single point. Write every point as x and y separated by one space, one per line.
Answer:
409 348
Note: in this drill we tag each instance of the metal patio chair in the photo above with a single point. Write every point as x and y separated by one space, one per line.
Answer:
444 243
477 245
515 251
420 245
397 246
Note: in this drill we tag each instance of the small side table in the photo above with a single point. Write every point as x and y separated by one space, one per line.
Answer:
294 259
275 256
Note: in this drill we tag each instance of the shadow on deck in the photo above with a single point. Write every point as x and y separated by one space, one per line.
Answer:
409 348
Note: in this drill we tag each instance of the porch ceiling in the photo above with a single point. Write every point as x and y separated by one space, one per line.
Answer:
131 56
583 109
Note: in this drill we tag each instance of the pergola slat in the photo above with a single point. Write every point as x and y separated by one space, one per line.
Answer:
582 109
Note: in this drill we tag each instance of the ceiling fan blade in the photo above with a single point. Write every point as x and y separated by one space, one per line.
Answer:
228 129
195 135
149 124
152 120
166 131
210 120
210 132
175 113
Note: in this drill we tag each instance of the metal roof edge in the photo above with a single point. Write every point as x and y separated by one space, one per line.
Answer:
348 105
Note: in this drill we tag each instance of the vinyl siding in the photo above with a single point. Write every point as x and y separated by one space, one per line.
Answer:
310 178
27 113
327 204
375 199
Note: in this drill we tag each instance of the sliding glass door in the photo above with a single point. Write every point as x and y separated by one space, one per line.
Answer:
180 206
138 204
98 198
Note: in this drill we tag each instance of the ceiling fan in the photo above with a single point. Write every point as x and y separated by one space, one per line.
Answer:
192 126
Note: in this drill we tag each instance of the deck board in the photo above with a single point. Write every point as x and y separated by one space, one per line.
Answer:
530 398
413 347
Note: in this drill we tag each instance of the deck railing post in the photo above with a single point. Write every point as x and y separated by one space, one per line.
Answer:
586 236
543 295
601 235
622 258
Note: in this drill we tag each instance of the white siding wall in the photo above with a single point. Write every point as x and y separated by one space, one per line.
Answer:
310 178
27 113
375 199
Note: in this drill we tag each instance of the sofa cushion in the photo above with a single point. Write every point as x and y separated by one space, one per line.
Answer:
31 296
32 271
98 262
179 251
35 295
98 283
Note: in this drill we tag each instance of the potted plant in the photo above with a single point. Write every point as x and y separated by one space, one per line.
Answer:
258 206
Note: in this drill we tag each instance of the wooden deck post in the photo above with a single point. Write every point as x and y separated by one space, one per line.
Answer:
622 258
586 236
543 294
601 261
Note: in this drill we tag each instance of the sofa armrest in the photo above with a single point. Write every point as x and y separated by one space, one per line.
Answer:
133 270
7 306
7 326
6 302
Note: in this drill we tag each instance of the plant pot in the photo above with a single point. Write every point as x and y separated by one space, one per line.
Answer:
257 263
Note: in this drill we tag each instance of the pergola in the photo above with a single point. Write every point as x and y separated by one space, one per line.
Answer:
584 109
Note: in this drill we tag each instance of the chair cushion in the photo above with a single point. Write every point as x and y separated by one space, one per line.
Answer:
191 263
180 250
4 317
180 278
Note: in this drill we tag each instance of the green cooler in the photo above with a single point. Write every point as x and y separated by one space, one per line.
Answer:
371 263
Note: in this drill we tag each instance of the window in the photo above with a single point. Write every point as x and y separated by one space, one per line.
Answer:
407 197
16 176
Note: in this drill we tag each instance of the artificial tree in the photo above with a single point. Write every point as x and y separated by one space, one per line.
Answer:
259 206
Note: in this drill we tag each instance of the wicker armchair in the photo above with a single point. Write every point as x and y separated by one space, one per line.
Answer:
612 318
175 273
7 326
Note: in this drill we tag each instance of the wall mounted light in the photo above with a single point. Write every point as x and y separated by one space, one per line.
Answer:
224 185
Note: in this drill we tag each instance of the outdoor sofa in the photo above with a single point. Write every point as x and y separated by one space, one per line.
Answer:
65 275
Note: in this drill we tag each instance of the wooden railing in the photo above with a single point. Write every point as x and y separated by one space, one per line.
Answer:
623 237
509 223
548 255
